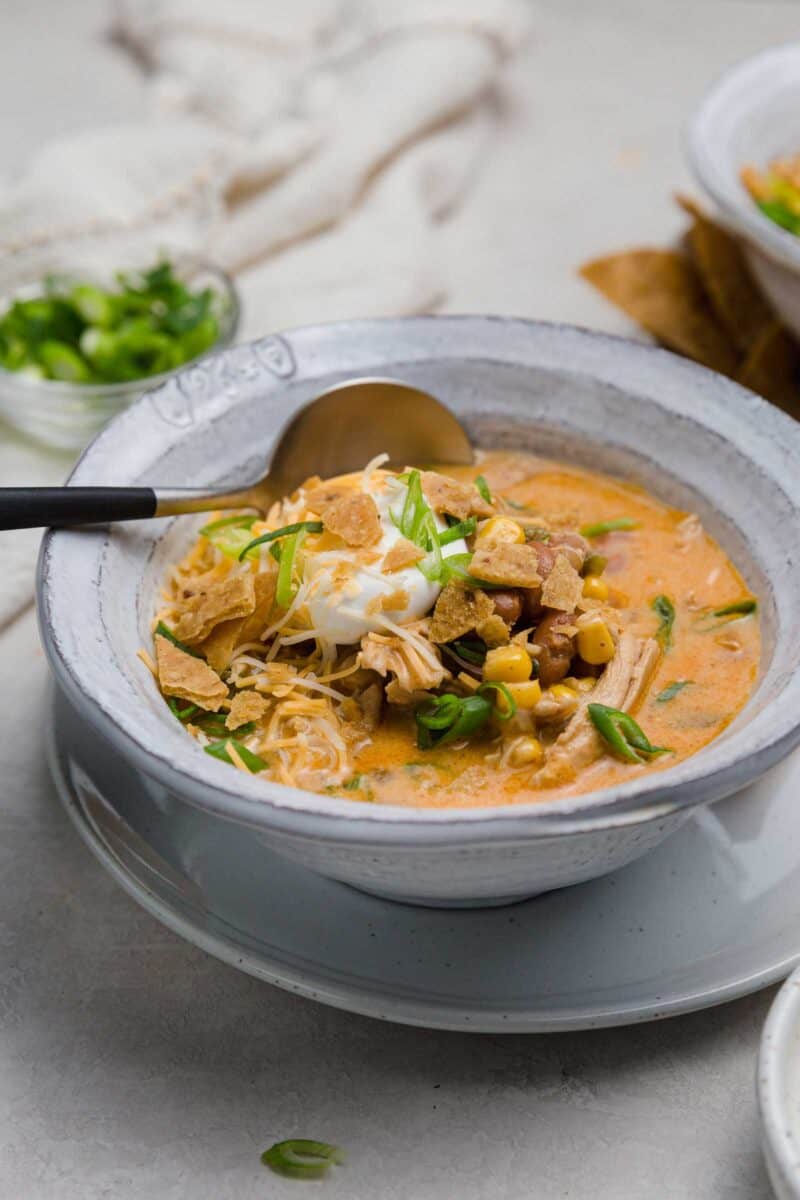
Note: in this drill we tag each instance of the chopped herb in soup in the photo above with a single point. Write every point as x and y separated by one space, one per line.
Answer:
520 631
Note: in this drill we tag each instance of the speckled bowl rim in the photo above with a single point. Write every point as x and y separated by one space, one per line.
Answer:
775 1060
266 805
703 151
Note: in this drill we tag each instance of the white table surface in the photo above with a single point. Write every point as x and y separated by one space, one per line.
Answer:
134 1066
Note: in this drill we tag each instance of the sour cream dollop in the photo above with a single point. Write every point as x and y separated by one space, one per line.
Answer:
345 593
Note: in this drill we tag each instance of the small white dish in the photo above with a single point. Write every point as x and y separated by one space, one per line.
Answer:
713 913
750 116
779 1090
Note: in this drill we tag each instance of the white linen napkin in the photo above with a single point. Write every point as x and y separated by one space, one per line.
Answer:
312 148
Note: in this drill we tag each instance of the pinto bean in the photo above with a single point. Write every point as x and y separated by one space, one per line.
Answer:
573 545
557 647
532 597
508 605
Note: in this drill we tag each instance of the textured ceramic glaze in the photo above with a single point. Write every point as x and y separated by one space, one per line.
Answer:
698 440
712 913
779 1090
750 116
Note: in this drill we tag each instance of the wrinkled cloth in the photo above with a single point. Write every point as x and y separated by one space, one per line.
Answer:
311 148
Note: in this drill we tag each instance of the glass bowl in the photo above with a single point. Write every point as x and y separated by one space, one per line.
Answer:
68 415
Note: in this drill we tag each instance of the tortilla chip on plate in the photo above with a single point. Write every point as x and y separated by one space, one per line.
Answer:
662 291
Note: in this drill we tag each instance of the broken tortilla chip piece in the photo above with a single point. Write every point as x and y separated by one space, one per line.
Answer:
458 611
460 500
388 602
661 290
726 277
189 678
772 368
563 587
222 601
322 495
493 631
402 554
510 563
354 518
245 706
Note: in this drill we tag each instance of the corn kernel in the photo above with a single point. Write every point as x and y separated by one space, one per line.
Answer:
525 695
583 685
595 588
527 752
507 664
565 697
595 643
499 529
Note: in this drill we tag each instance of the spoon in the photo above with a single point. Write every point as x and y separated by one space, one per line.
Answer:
338 432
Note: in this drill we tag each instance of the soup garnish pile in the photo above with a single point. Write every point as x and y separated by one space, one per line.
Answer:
439 639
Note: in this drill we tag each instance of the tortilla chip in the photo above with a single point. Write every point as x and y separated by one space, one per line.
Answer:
354 518
258 620
323 494
231 597
494 631
662 292
218 647
563 587
511 563
392 602
189 678
402 554
734 294
460 500
458 611
772 368
245 706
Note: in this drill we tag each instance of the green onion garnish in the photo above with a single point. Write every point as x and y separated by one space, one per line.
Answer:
246 522
285 531
602 527
471 649
229 534
182 714
353 784
448 718
664 609
622 735
742 608
483 488
671 690
461 529
220 750
780 214
162 629
301 1158
85 334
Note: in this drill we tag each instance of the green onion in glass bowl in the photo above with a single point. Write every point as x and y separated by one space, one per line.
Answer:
78 344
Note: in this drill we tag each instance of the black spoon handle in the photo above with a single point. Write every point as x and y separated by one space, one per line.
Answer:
29 508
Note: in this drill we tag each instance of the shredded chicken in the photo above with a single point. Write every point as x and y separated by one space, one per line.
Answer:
621 686
416 668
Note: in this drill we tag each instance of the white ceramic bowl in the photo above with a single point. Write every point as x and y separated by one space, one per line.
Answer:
750 116
778 1086
701 442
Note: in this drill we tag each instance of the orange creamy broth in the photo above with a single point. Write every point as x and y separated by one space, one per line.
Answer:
721 662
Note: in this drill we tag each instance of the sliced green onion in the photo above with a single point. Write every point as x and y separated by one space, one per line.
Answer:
483 488
182 714
353 784
414 508
664 609
302 1158
671 690
503 714
461 529
471 649
220 750
286 531
780 215
162 629
448 718
431 564
622 735
456 566
742 608
602 527
239 521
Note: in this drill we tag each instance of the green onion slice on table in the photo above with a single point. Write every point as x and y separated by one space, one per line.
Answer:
622 735
302 1158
